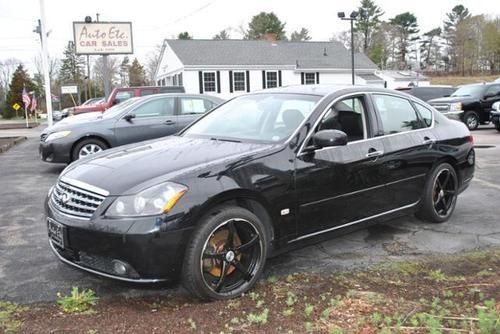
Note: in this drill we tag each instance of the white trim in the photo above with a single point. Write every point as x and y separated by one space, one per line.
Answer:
215 81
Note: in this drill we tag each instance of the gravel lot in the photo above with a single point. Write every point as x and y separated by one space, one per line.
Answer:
29 272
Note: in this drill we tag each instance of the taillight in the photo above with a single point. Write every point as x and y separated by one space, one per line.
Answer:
471 139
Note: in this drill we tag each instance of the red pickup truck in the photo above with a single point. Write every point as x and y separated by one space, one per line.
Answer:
122 94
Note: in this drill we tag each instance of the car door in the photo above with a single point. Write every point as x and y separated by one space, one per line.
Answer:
342 185
408 142
190 109
152 119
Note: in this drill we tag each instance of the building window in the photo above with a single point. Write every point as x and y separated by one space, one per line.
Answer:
180 79
310 78
209 84
239 81
163 82
271 79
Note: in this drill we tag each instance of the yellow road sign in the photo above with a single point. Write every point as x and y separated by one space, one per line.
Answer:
16 106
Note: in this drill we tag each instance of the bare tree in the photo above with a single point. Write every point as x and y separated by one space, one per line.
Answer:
152 63
7 68
53 63
113 71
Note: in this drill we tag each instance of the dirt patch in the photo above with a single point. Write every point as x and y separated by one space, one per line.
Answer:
7 142
441 294
457 80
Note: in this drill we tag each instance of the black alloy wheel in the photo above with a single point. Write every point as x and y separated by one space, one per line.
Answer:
440 194
226 256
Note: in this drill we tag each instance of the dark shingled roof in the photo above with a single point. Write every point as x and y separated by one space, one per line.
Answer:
241 52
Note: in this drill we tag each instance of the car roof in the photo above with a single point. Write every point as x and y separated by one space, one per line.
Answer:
329 89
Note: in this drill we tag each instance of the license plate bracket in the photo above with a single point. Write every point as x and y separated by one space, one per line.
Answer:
57 232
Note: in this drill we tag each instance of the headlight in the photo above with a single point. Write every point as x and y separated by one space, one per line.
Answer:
456 106
58 135
152 201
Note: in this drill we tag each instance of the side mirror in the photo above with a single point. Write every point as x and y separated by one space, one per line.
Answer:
129 117
327 138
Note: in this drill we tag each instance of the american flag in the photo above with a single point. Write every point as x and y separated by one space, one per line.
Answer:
26 98
33 103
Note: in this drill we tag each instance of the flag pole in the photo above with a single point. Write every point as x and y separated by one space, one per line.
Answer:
45 62
26 116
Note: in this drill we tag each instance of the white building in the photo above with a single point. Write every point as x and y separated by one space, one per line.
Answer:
226 68
399 79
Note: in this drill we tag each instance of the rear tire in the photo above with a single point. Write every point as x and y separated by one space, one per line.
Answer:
87 147
471 119
440 195
219 266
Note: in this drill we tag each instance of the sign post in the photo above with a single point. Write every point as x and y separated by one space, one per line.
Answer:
70 89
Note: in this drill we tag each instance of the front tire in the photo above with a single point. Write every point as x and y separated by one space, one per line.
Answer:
88 147
440 195
226 254
471 119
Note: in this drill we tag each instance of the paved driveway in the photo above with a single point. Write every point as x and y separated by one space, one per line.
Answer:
30 273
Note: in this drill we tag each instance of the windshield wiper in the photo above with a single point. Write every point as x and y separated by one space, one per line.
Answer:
225 139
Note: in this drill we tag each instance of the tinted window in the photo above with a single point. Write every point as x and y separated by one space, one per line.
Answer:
123 96
397 114
429 93
469 91
493 91
347 116
425 114
190 106
156 108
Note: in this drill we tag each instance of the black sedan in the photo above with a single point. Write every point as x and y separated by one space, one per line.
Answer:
132 121
258 175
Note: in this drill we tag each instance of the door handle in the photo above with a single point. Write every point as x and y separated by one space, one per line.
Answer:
428 141
169 122
372 153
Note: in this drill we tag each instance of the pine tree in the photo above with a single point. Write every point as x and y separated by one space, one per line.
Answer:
300 36
264 23
136 74
407 30
20 79
368 22
184 35
222 35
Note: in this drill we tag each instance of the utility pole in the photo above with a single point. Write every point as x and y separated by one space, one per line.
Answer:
45 62
105 70
353 17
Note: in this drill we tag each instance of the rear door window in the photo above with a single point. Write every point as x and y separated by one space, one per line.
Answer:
193 106
397 114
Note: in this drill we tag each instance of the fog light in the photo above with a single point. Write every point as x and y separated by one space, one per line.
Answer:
119 267
471 158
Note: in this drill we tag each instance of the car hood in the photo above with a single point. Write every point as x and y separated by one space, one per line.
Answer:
451 99
129 169
71 121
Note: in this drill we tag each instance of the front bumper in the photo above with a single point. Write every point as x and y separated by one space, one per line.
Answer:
151 248
57 151
495 118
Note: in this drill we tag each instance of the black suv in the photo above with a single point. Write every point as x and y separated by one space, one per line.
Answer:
470 103
427 93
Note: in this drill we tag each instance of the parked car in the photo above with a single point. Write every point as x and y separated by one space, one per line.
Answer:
119 95
426 93
256 176
495 115
470 103
134 120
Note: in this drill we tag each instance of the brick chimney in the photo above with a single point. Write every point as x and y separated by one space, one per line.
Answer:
270 37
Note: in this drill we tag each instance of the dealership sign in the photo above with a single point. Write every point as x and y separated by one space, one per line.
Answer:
103 38
73 89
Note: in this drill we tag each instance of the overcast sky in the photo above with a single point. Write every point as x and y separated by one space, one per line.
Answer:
154 20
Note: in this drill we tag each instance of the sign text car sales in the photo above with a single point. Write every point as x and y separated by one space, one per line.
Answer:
103 37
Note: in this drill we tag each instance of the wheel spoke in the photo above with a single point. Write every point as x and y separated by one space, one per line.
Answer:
248 245
446 180
246 275
220 283
230 235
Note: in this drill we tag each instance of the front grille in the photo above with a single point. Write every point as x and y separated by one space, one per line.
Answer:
102 264
442 107
74 201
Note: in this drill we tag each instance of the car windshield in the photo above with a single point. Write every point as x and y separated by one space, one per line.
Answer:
117 109
468 91
267 118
